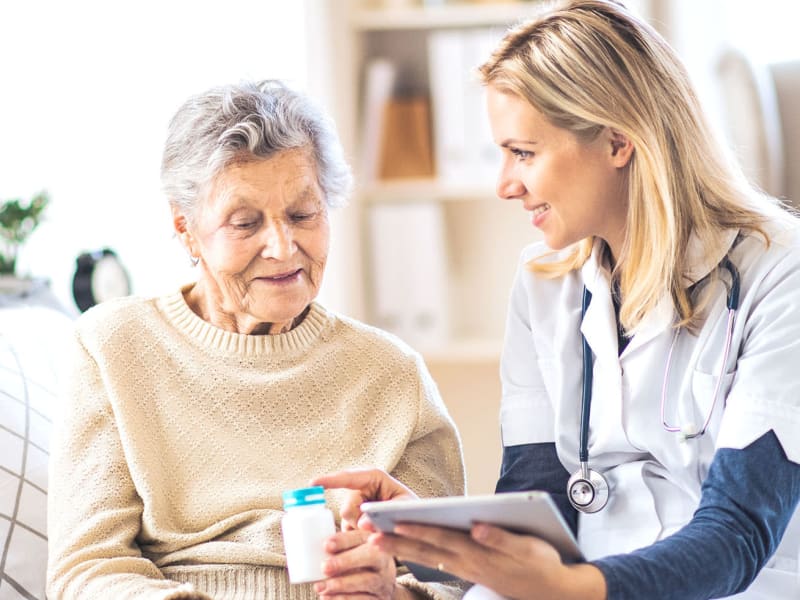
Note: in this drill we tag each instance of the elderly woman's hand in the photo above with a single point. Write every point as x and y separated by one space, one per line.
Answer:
356 569
367 485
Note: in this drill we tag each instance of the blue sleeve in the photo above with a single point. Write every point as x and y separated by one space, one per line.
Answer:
536 467
747 501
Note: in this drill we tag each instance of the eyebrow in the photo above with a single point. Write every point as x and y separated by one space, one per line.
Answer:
511 141
309 193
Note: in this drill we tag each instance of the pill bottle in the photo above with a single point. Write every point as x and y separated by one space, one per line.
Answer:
306 525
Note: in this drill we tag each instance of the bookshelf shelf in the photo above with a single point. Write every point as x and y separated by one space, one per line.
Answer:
455 15
424 190
464 352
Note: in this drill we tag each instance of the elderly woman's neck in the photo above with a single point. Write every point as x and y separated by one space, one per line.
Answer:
211 310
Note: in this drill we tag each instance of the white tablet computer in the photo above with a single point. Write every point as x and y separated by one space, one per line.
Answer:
533 512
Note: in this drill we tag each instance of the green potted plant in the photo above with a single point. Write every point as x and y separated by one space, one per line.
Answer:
17 222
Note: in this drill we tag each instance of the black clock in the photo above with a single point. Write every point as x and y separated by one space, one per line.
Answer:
99 276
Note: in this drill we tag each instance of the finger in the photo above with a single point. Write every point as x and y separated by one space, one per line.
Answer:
441 537
357 558
413 550
365 524
510 544
351 479
347 596
360 582
373 484
345 540
351 510
494 537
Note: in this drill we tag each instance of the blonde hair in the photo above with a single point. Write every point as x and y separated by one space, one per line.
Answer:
590 64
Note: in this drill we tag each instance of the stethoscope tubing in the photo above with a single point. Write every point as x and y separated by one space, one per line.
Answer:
732 304
586 391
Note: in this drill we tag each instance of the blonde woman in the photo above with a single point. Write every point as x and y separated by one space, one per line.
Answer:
650 371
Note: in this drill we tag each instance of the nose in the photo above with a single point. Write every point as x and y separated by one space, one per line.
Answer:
509 186
279 241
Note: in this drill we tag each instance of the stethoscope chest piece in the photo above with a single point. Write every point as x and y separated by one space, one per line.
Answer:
587 490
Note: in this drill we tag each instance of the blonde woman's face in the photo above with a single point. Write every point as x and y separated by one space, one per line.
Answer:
262 237
571 188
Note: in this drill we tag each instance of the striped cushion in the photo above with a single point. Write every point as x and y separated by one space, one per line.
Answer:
30 338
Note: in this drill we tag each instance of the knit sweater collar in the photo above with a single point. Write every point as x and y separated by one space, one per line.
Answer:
315 323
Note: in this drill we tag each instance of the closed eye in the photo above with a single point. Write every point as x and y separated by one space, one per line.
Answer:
303 216
244 225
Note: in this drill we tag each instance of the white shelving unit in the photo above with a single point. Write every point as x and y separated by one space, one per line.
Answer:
482 235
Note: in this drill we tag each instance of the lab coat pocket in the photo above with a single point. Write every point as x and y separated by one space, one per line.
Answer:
708 402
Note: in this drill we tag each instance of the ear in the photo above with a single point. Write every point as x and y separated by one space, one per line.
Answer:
181 227
621 147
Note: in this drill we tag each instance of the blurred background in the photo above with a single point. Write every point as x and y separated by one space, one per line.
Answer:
424 249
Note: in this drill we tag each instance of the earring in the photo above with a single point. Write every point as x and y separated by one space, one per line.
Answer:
195 260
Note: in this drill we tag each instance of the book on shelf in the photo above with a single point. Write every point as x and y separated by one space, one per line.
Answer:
408 271
484 153
380 75
406 145
463 146
396 131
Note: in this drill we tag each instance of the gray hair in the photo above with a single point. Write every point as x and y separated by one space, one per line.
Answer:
248 121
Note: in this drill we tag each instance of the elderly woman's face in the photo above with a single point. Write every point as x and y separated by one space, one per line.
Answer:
262 237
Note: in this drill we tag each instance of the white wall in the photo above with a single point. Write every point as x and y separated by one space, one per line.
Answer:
767 30
86 91
700 31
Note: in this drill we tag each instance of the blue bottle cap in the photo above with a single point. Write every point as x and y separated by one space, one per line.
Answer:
304 496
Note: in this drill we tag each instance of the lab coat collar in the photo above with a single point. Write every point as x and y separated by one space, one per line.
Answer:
702 261
599 325
595 272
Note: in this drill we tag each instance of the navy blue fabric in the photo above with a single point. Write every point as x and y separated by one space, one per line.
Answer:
536 467
747 501
622 339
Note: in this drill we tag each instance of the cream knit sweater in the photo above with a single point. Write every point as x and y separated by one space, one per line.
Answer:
177 439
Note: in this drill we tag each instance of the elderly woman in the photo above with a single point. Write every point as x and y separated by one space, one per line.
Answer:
187 416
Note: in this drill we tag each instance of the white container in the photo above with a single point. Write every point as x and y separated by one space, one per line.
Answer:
306 525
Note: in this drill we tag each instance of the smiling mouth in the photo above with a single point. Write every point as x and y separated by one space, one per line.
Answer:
281 276
542 208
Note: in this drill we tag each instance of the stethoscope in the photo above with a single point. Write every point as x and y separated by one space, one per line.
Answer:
587 489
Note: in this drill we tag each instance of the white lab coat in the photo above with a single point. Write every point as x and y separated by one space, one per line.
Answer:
654 476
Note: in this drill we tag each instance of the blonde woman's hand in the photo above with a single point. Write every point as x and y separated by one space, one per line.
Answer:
512 565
